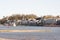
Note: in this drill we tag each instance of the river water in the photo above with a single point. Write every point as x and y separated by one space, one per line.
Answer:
53 35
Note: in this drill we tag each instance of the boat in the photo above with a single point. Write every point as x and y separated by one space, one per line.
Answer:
14 24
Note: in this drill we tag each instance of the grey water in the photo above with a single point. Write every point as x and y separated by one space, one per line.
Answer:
54 35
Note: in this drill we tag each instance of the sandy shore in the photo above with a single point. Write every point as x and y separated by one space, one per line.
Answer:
5 39
25 30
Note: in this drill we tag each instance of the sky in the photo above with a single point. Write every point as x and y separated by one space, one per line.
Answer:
37 7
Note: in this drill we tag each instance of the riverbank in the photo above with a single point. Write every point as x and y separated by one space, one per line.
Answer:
52 25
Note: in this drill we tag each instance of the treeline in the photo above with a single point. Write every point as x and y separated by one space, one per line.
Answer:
50 16
17 17
29 16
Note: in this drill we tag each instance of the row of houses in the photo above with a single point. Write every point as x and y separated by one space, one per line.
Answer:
34 22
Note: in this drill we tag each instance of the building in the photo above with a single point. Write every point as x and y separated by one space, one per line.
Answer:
50 21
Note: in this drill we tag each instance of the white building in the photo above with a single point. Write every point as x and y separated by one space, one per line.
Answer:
50 21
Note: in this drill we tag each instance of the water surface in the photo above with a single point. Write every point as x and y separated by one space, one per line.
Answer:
54 35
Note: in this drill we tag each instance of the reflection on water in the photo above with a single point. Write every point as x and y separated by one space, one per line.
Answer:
54 35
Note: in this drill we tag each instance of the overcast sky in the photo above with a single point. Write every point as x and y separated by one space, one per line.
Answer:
37 7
